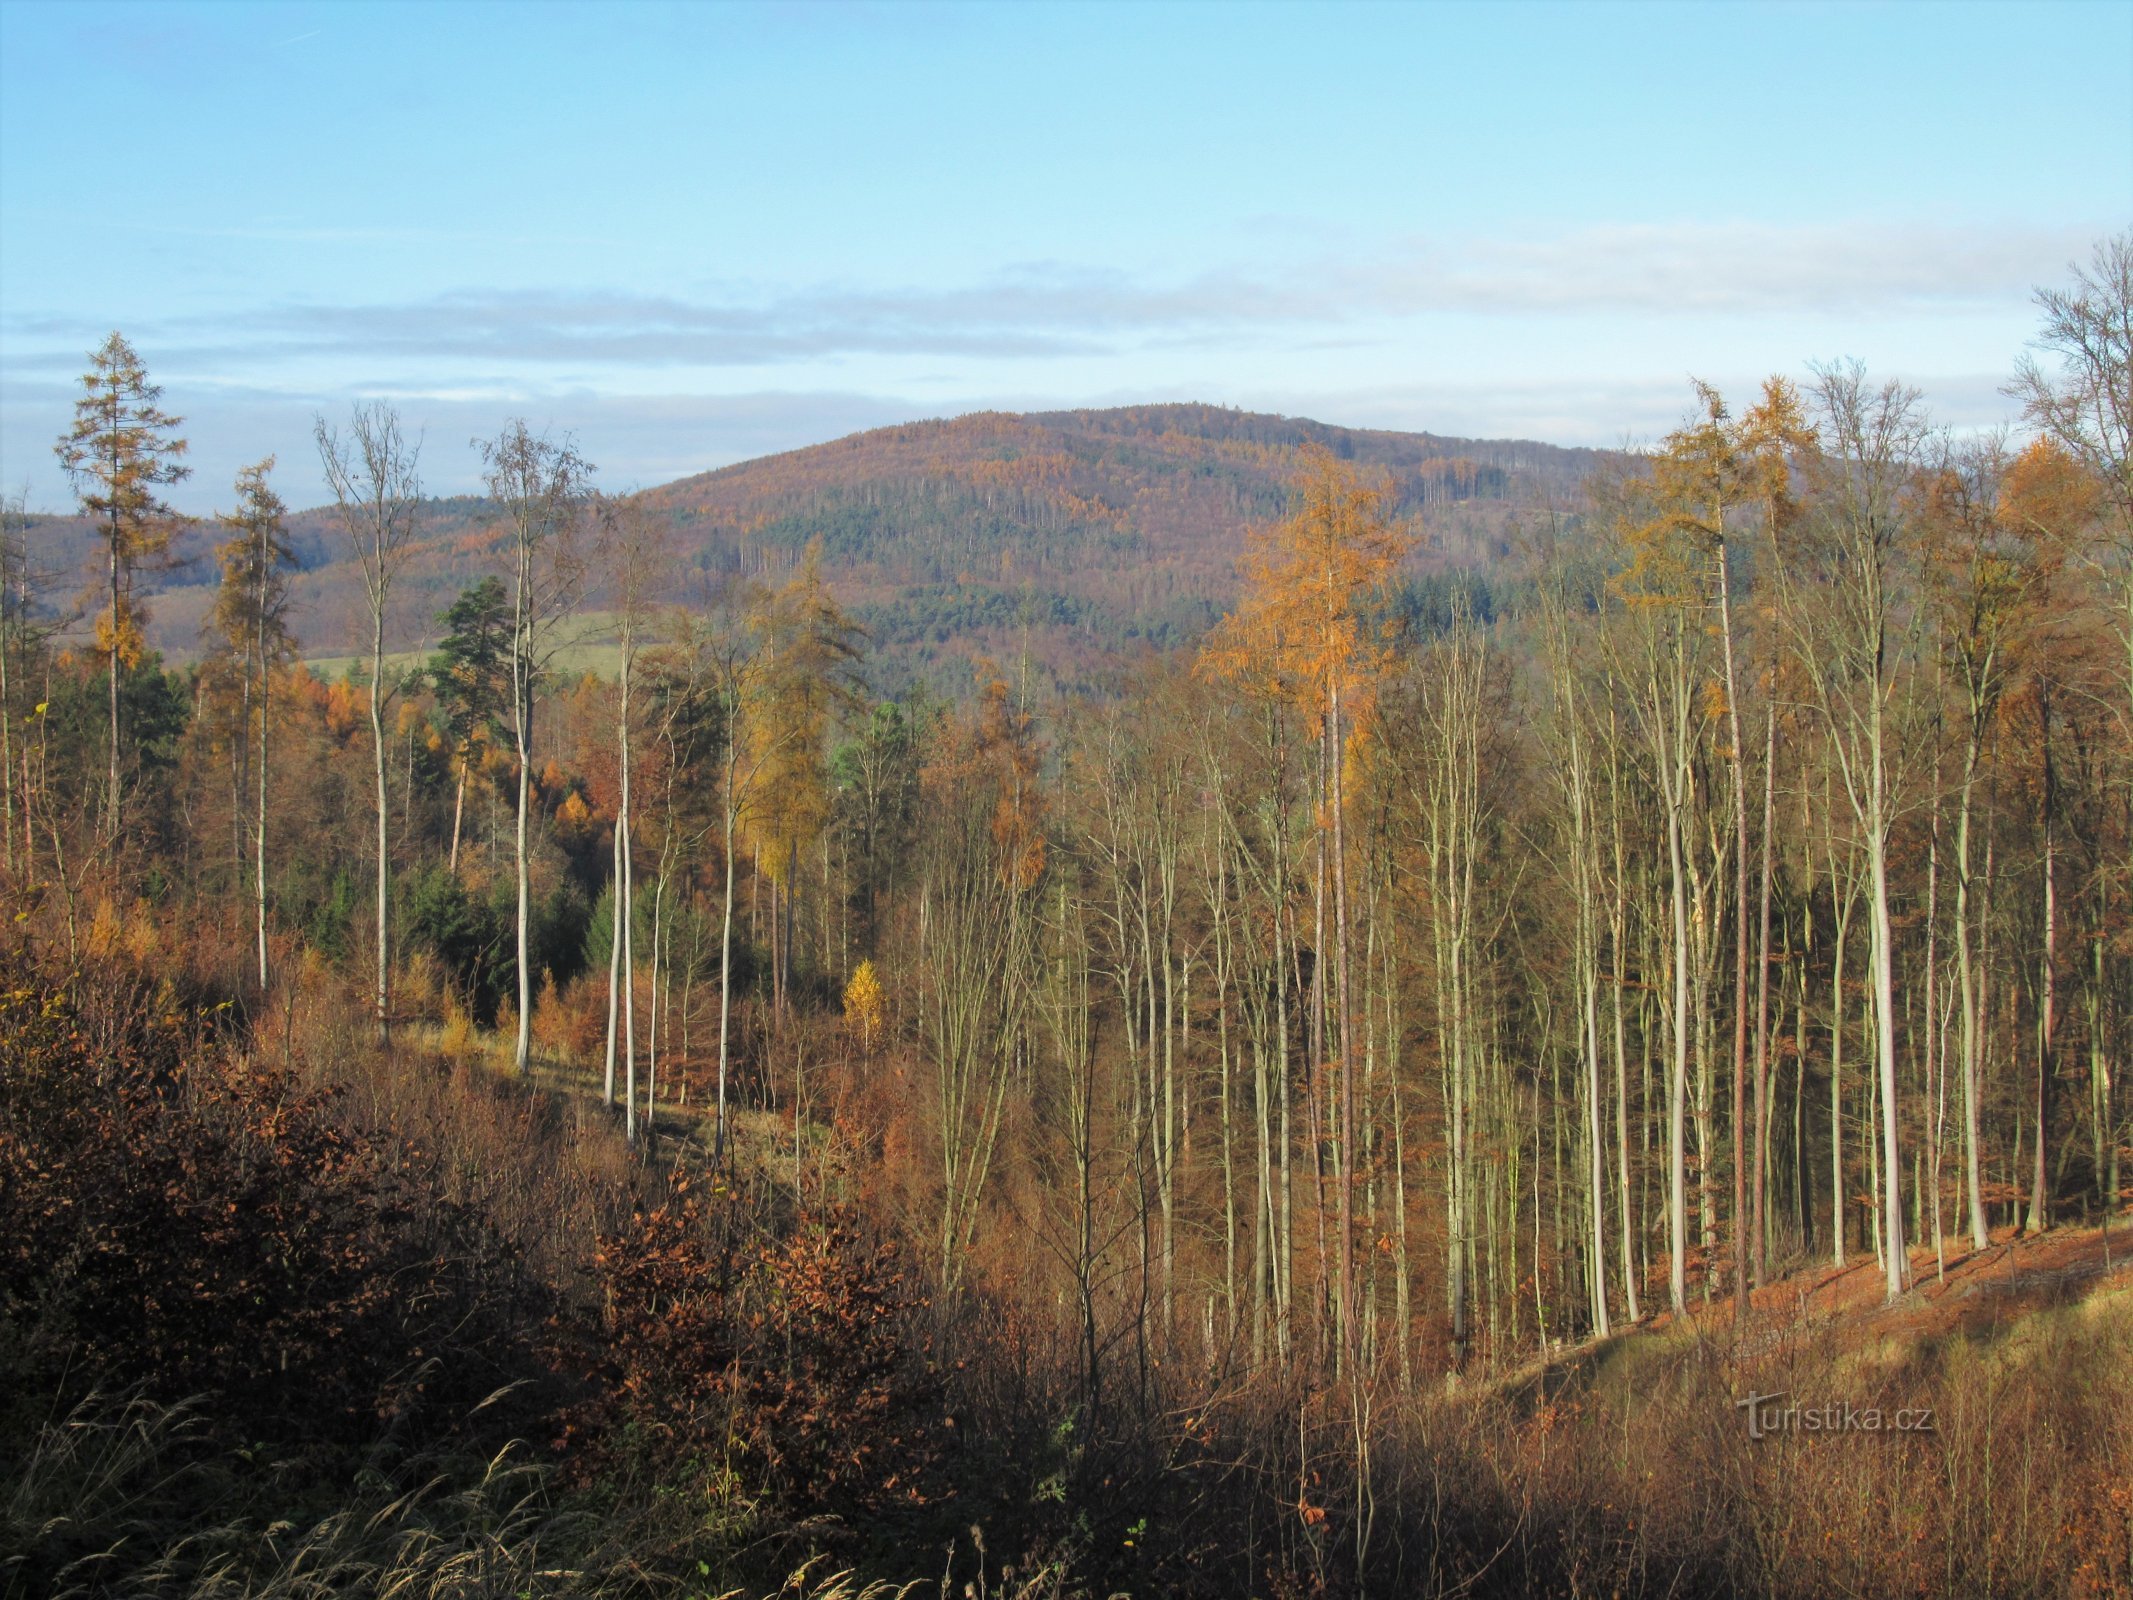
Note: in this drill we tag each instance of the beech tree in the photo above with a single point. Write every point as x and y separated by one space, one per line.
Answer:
1699 477
635 549
1660 585
540 486
121 450
2083 400
1848 623
377 495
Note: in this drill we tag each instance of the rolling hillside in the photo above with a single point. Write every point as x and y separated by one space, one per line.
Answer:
1085 534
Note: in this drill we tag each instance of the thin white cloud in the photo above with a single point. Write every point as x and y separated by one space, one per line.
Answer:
1723 268
1049 310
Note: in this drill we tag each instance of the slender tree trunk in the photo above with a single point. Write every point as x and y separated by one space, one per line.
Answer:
112 798
628 932
1894 1261
259 832
1618 933
1345 1170
614 965
377 752
459 809
7 743
1763 1093
1836 1066
1736 761
725 964
1935 1067
2048 996
1677 1207
626 907
1969 998
523 1057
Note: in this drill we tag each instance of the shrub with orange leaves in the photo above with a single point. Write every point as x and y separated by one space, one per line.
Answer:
778 1366
177 1217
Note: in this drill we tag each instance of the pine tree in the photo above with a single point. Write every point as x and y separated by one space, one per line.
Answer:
251 614
120 451
470 675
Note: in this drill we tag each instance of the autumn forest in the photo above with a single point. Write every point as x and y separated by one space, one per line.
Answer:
1154 1002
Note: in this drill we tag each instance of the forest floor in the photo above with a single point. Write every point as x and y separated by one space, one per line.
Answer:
1954 1293
1975 1296
1967 1293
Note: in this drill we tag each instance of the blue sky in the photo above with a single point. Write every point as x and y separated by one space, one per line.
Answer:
691 234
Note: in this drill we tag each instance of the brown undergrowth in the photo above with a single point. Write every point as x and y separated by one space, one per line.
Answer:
285 1314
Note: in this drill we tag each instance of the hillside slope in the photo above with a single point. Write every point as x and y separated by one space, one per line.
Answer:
1092 530
1084 535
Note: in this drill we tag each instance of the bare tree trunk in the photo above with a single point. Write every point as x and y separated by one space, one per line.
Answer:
259 833
376 491
628 933
7 729
1737 761
1971 999
1894 1262
1677 1207
1618 931
1848 888
112 800
2048 992
7 744
377 752
614 964
459 808
1763 1094
1936 1085
725 964
522 739
1346 1167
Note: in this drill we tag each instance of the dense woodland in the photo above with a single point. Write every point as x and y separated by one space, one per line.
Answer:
1067 537
1123 1124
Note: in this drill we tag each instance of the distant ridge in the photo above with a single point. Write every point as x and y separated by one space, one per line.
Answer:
1078 531
1075 534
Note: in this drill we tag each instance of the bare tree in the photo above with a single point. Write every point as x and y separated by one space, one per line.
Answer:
377 492
1660 586
1452 808
1575 785
635 547
1871 442
541 486
737 673
2087 404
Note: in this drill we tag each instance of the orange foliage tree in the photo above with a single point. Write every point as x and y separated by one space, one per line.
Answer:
1307 630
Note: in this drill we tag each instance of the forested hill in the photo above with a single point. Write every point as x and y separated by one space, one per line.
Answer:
1082 535
1087 532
